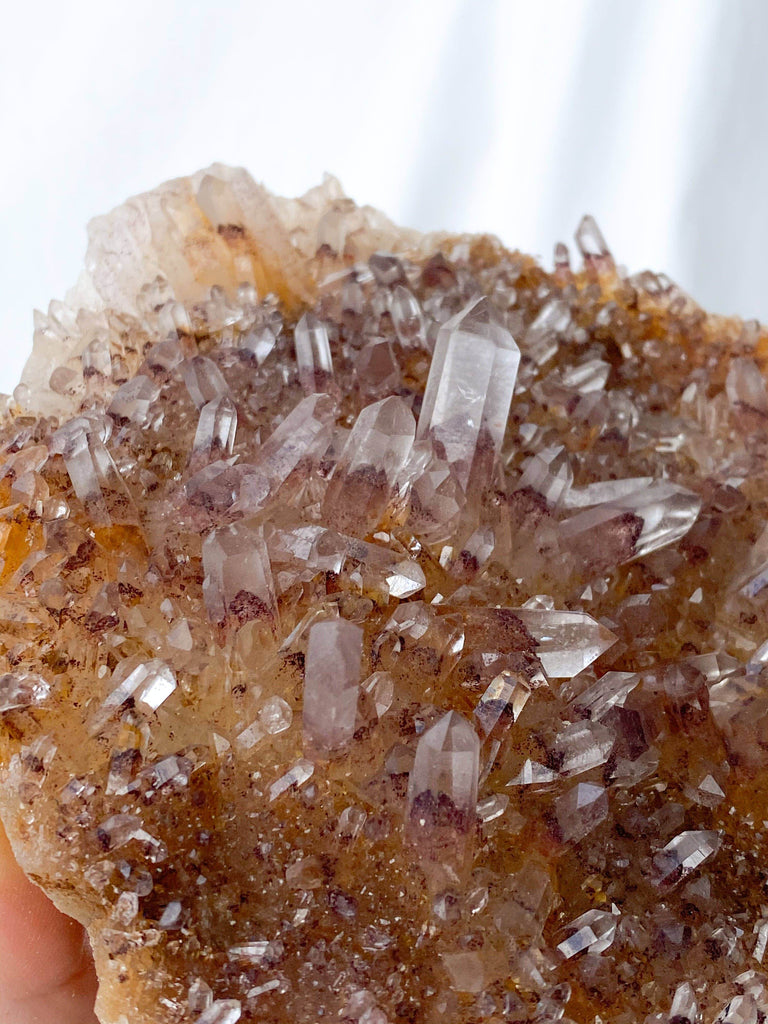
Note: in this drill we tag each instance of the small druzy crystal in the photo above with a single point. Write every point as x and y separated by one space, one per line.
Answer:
383 624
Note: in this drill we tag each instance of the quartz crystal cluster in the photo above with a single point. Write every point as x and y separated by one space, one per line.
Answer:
384 625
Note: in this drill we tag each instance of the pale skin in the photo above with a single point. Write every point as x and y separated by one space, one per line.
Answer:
46 970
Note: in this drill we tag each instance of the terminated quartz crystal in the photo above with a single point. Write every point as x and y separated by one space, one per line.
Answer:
332 676
384 624
469 388
442 790
369 466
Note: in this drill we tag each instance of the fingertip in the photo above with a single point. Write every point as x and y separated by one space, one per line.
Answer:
46 969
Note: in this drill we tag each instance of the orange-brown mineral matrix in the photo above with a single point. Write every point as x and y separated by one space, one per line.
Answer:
383 624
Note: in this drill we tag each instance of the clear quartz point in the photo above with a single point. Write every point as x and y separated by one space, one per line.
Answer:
745 385
533 774
407 317
661 514
593 932
238 577
742 1009
568 642
332 676
562 258
604 492
133 399
611 690
204 380
445 769
549 473
582 746
221 1011
313 353
215 434
371 462
150 682
589 239
469 388
684 1006
684 854
580 810
22 690
199 996
304 435
502 702
542 338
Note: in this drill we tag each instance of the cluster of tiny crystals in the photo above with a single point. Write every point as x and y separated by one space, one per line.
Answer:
399 657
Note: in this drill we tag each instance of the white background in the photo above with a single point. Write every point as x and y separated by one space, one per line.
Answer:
459 114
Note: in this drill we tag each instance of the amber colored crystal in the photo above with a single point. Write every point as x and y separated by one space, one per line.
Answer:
384 624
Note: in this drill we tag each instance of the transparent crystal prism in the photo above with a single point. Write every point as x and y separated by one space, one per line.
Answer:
684 854
470 386
549 473
502 702
204 380
313 353
663 511
295 777
581 746
684 1006
611 690
532 773
372 460
133 399
604 492
447 765
589 239
150 682
407 317
22 690
238 578
593 932
215 434
745 385
332 676
568 642
544 334
580 810
304 434
221 1011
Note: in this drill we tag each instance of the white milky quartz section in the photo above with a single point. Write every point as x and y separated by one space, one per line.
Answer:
332 676
447 761
470 385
